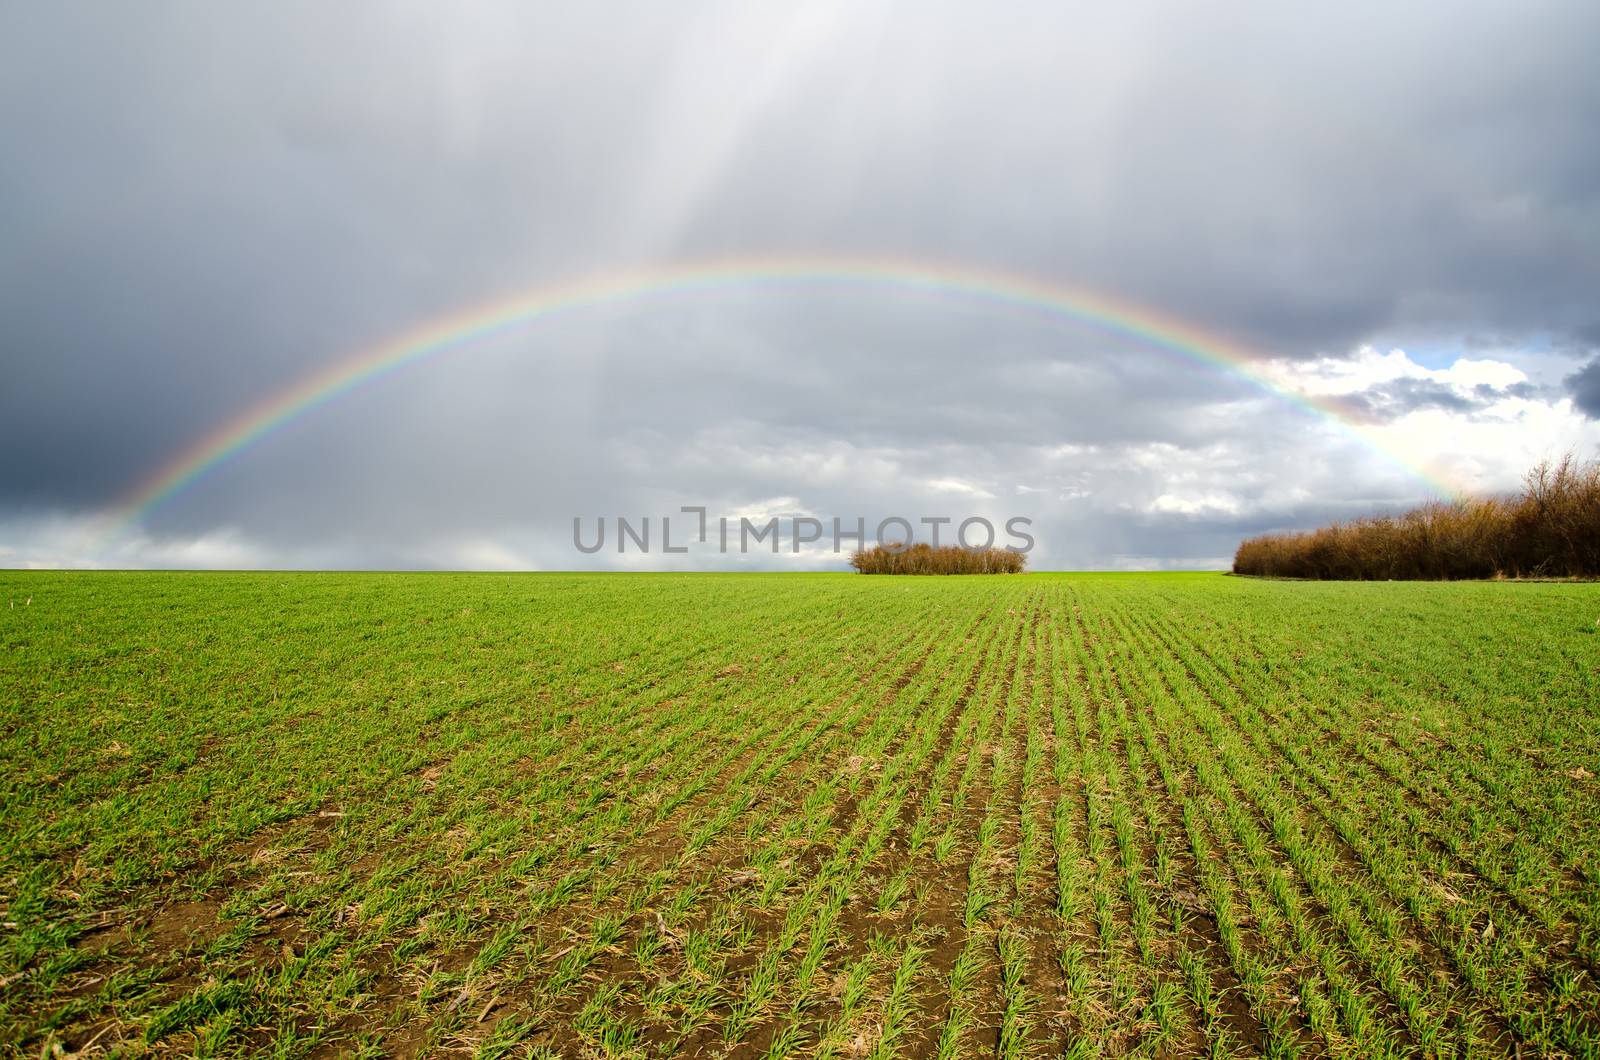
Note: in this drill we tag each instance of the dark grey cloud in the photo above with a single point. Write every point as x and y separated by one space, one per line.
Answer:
200 205
1583 340
1584 385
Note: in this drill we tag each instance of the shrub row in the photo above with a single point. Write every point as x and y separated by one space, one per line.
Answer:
946 559
1550 529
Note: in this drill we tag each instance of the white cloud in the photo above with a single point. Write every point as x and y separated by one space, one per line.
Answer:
77 542
763 510
1330 376
1195 504
486 555
1484 446
1490 450
955 485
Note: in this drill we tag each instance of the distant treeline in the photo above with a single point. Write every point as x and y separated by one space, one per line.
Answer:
946 559
1551 529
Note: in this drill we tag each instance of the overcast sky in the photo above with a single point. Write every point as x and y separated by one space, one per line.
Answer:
1394 206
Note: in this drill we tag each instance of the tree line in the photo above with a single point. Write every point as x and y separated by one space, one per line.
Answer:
1549 529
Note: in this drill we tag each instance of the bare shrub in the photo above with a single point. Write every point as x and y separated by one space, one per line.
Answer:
1550 529
946 559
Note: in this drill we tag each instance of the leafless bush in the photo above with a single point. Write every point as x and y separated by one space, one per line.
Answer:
1550 529
946 559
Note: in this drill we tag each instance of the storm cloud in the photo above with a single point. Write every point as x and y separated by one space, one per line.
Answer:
1585 386
201 205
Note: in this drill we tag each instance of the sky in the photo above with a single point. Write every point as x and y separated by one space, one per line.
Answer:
1390 210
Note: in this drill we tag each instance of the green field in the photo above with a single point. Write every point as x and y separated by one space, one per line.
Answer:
798 815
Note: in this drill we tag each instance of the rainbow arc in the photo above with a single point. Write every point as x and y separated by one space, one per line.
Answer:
439 337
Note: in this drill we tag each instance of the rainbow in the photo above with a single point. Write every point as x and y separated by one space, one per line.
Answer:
444 335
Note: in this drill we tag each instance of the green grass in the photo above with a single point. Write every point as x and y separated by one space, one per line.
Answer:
810 815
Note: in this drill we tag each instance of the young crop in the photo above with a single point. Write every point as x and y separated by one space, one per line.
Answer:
549 815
